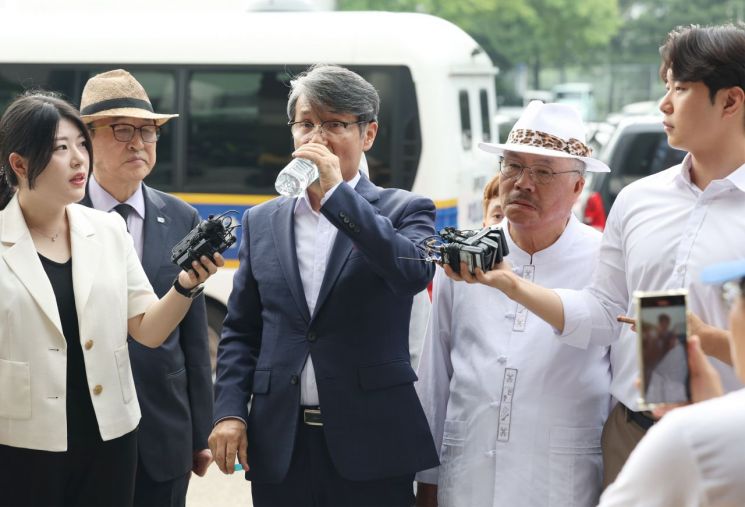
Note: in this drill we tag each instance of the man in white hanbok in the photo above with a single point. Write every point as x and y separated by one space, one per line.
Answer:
516 414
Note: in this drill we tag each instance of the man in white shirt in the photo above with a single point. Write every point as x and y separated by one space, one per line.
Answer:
663 228
518 417
696 455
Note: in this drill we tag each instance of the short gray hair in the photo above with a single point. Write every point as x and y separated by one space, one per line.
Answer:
581 167
337 89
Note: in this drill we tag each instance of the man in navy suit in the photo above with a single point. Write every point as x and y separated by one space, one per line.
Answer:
316 335
173 381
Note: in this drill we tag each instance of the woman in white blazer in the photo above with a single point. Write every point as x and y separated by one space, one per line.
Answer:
71 289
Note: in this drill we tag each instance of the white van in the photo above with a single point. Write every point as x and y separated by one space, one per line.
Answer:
226 73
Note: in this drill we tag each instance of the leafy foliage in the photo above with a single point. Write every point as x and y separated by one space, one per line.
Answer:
523 31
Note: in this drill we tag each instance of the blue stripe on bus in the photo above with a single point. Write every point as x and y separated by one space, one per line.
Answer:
446 217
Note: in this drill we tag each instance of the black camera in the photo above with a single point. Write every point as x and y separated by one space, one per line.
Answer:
212 235
482 249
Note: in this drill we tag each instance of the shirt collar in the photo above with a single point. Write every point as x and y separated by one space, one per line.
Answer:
683 176
736 177
102 200
563 242
304 201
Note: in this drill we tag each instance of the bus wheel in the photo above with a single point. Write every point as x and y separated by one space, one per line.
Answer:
215 316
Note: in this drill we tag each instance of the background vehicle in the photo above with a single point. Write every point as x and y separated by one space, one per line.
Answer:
580 95
226 73
638 147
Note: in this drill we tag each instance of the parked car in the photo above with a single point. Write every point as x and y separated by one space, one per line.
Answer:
637 148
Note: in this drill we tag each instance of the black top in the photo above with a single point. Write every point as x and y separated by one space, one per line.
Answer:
82 424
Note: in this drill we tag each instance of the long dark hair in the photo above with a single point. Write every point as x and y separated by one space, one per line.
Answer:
28 127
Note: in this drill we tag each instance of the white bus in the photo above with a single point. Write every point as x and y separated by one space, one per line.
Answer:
226 73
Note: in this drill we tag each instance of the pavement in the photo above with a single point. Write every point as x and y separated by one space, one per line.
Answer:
216 489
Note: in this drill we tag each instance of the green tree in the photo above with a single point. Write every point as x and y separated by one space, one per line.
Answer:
645 23
535 32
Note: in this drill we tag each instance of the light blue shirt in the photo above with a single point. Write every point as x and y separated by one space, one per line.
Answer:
104 201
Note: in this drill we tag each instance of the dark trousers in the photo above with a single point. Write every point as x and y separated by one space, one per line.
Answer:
152 493
88 474
312 480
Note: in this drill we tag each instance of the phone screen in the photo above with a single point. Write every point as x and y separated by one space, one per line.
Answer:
661 329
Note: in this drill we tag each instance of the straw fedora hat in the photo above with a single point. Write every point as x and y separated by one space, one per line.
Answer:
117 93
554 130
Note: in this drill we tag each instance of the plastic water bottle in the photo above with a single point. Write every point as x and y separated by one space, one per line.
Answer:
296 177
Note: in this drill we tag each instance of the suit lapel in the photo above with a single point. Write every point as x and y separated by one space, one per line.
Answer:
342 246
337 258
23 259
86 256
154 231
283 230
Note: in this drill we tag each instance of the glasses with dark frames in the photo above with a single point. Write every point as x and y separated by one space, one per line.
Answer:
124 132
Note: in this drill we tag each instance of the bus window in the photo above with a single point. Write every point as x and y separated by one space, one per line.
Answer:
394 157
69 81
485 120
238 137
465 120
15 79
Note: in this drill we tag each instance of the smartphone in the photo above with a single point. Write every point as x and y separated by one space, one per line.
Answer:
663 356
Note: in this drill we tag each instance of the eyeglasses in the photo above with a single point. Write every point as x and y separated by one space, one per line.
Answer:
732 291
331 128
541 174
124 132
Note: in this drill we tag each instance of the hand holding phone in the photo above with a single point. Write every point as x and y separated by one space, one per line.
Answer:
662 350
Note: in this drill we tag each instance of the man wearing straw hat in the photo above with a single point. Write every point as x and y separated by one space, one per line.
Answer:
517 415
174 381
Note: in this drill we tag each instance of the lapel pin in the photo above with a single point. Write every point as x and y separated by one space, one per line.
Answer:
161 220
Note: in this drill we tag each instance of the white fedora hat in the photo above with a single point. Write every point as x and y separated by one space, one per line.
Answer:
555 130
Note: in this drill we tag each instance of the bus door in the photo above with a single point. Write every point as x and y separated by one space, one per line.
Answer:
475 97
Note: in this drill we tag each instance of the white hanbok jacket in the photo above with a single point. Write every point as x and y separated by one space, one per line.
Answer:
517 415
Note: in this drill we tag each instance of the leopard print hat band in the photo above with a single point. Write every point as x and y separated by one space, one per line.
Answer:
554 130
528 137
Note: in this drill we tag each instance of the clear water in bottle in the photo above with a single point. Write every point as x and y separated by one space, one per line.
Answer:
296 177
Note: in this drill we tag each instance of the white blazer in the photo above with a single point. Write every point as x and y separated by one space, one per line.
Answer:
110 287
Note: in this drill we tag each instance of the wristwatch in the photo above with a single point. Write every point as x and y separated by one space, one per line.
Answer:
189 293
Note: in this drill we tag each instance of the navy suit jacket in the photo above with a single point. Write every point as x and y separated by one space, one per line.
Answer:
357 336
173 381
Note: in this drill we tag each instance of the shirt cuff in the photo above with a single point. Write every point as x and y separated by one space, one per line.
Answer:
230 417
328 194
429 476
577 319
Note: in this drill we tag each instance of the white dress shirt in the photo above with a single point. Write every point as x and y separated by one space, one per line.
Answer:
695 456
314 237
517 415
661 231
